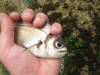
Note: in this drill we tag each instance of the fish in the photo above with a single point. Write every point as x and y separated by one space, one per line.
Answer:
39 41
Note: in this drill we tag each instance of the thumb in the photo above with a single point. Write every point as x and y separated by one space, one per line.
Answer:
7 30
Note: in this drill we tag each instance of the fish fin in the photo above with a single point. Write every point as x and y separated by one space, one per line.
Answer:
46 28
37 44
40 42
26 24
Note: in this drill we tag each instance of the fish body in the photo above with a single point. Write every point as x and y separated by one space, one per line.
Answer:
39 41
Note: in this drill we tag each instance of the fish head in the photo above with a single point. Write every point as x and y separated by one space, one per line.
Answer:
55 47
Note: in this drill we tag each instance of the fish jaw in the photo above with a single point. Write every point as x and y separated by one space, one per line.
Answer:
57 53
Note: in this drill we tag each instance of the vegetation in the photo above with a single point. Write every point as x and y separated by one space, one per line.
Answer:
80 20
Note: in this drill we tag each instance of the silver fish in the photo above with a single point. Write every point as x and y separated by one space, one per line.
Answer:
39 41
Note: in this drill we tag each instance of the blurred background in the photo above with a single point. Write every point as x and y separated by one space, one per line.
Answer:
81 24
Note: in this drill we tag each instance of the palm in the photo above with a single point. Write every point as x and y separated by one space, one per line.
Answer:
18 60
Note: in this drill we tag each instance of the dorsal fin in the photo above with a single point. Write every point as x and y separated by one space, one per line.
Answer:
26 24
46 28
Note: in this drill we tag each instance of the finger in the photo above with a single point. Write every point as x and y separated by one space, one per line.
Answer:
15 16
51 61
56 29
54 64
7 33
28 15
40 20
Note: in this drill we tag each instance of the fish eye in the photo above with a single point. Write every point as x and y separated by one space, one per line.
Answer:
59 44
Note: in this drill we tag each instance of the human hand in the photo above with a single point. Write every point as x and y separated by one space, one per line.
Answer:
15 58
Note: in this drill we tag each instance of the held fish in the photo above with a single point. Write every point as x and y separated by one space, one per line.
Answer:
39 41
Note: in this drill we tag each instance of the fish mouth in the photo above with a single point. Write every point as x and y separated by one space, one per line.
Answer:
63 51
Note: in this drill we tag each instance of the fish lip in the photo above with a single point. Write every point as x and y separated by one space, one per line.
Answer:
63 51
